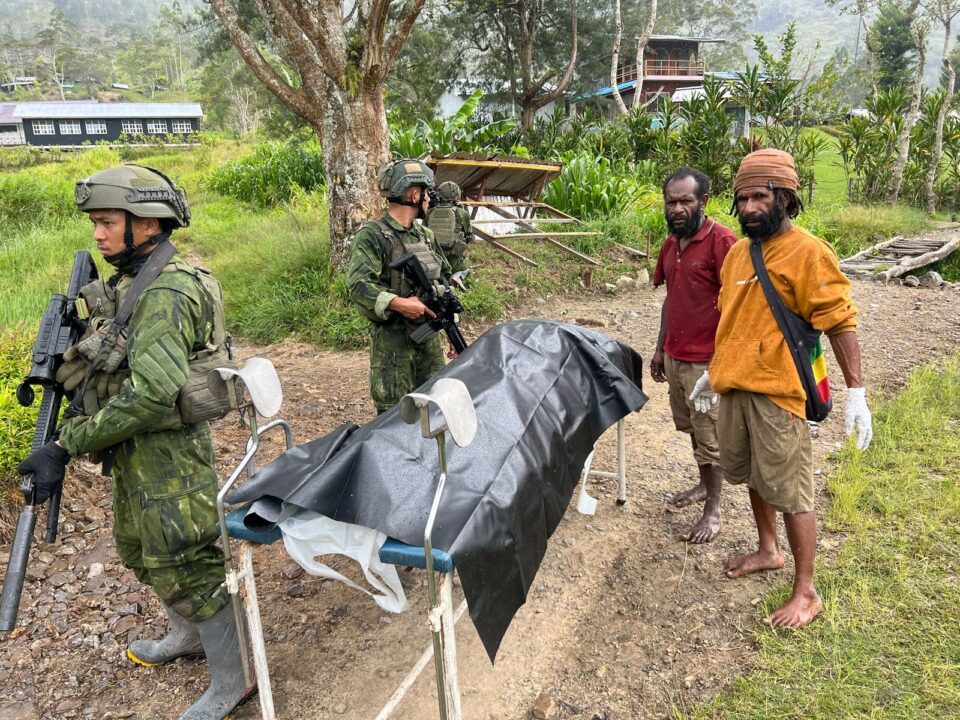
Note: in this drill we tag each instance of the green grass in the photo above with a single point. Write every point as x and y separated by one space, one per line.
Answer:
830 183
888 643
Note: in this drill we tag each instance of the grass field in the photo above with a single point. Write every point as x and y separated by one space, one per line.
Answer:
888 643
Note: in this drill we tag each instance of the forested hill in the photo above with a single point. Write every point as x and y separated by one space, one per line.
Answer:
25 17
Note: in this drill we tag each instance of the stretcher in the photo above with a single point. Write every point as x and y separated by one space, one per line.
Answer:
450 403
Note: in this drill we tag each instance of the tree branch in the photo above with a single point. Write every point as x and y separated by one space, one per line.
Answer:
293 98
394 44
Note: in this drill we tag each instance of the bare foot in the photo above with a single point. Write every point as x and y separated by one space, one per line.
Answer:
691 496
740 565
798 611
706 528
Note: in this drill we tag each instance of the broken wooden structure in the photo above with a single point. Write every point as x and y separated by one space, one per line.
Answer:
503 192
899 255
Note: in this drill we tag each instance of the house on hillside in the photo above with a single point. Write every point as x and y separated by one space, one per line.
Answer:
22 82
79 123
671 62
11 128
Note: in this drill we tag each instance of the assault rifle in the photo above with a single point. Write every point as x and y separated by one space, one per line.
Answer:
60 327
445 306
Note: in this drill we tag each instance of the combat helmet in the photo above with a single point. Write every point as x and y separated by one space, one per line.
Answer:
139 190
449 192
396 176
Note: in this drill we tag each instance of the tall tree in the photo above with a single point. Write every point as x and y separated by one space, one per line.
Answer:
341 55
56 48
527 50
890 42
642 41
944 12
919 29
615 59
534 91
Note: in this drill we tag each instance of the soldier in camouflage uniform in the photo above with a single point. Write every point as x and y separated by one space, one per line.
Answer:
450 223
384 296
164 482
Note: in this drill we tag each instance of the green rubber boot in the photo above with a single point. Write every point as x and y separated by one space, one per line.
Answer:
182 639
228 686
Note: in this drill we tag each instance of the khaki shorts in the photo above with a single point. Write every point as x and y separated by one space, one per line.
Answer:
767 448
681 377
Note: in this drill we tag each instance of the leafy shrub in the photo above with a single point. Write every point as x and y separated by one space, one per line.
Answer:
16 421
269 174
461 132
590 186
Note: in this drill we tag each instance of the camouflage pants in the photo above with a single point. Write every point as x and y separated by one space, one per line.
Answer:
397 366
165 515
457 262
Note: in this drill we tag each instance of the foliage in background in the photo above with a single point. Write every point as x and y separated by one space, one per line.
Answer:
16 422
868 149
884 646
271 173
461 132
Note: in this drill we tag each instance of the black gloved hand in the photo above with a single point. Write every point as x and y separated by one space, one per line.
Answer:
47 465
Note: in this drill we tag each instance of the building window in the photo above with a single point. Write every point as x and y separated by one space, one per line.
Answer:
43 127
96 127
71 127
181 127
131 127
157 126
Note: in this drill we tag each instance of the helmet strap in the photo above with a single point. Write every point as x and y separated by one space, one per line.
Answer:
410 203
123 258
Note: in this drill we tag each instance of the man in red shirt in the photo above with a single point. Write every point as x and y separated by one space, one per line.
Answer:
689 263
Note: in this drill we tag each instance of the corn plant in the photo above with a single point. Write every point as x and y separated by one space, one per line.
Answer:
590 187
270 173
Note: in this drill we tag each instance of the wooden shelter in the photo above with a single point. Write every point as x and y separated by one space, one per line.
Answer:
508 190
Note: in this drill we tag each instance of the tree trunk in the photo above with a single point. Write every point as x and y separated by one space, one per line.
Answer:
356 142
931 196
532 99
642 41
903 141
615 59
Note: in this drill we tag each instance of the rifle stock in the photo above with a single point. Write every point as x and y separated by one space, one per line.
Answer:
60 327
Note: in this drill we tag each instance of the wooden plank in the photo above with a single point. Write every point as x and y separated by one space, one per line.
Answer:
500 246
565 248
525 235
632 251
497 165
532 221
926 259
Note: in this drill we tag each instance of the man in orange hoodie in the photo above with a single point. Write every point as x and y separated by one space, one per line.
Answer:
763 436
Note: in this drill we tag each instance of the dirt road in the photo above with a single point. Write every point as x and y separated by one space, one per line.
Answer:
623 621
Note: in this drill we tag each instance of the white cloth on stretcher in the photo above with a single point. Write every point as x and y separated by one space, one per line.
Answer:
308 535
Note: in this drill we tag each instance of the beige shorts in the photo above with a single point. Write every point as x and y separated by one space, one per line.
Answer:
681 377
767 448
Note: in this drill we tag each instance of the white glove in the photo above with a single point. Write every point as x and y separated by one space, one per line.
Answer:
856 412
703 396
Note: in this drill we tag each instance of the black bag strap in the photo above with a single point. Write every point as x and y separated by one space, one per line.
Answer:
148 273
799 334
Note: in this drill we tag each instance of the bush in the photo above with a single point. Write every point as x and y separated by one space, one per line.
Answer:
269 174
590 187
16 422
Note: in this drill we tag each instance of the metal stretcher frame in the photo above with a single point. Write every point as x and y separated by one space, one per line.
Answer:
441 615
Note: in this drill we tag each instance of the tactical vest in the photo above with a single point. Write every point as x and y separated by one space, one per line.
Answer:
196 401
449 232
432 265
